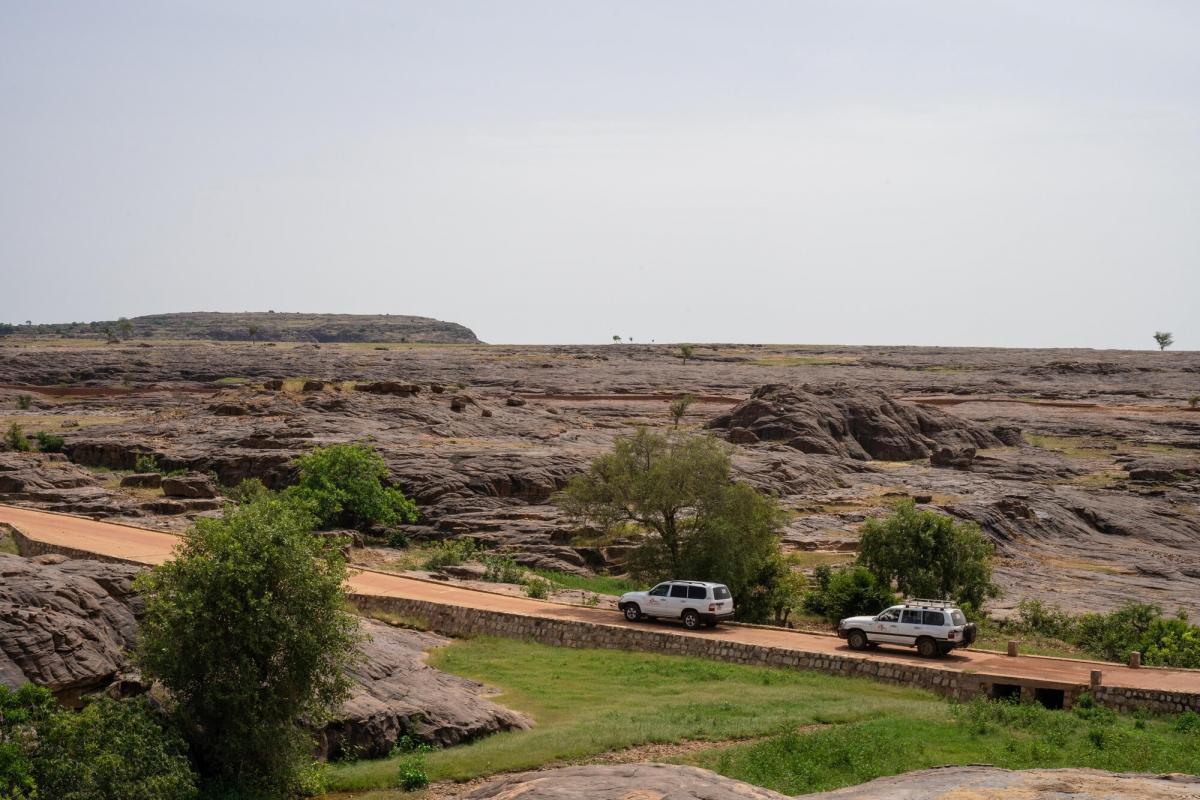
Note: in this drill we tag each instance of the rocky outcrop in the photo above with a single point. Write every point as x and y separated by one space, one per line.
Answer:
52 483
65 626
397 694
621 782
675 782
69 625
1162 470
854 423
1034 784
192 487
954 457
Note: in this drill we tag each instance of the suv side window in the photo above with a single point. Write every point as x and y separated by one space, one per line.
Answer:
697 593
660 590
679 591
720 593
891 615
911 616
935 618
958 617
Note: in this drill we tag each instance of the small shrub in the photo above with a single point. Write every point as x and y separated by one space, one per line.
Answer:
1188 722
146 462
450 553
846 592
538 588
591 600
503 569
397 539
25 402
248 491
49 442
15 439
412 773
1194 400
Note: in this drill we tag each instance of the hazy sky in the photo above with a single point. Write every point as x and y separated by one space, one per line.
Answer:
977 173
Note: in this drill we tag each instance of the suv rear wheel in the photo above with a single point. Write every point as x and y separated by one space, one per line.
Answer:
691 619
857 640
927 648
632 612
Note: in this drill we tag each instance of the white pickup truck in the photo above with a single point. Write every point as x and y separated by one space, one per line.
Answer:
934 627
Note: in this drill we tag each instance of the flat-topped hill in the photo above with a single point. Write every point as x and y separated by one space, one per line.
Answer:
267 326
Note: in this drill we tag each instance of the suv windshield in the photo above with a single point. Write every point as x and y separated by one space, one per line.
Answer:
720 593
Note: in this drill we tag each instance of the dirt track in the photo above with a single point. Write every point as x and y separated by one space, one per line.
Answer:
153 547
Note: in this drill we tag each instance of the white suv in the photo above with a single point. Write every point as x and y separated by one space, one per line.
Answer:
934 627
693 602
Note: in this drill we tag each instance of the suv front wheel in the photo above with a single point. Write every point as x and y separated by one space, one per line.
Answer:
857 640
633 613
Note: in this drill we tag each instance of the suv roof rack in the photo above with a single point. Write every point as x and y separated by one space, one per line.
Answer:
925 603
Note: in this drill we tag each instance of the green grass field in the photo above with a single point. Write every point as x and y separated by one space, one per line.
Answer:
805 731
1000 733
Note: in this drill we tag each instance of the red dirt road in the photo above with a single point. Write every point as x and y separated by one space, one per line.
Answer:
154 547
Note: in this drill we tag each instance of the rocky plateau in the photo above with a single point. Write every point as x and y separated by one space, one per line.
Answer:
1083 466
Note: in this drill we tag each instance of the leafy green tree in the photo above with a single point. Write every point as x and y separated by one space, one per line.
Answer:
1113 635
111 750
6 328
686 351
21 711
677 492
247 628
925 554
1171 642
679 407
342 484
1163 339
125 326
847 592
616 338
254 331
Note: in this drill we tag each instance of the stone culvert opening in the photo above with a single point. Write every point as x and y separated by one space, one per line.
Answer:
1005 691
1050 698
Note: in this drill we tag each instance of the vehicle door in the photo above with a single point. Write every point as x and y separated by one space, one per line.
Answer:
678 599
697 599
912 625
657 600
886 627
935 624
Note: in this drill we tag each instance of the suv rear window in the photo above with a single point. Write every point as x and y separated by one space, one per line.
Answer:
720 593
958 617
697 593
678 591
935 618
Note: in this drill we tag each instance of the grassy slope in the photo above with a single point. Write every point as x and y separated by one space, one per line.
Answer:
588 702
1003 734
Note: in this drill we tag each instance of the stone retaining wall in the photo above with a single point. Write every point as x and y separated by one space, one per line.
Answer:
29 548
459 621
